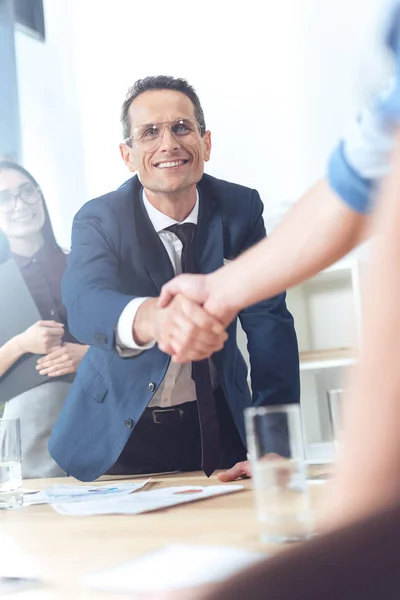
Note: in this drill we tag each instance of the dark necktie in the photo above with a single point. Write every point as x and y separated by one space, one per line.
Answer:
209 426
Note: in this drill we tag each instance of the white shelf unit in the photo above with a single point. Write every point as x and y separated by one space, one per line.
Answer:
327 312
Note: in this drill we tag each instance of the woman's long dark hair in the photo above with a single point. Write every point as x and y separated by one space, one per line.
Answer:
47 229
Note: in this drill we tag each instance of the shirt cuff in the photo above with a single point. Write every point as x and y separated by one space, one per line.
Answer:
347 183
369 144
124 335
363 157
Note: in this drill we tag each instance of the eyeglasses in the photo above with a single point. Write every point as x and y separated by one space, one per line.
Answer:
148 136
28 194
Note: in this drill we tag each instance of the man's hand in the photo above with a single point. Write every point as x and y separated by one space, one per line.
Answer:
194 287
182 329
238 471
206 290
243 470
62 361
41 337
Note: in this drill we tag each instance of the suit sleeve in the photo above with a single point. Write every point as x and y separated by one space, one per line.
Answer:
271 337
91 287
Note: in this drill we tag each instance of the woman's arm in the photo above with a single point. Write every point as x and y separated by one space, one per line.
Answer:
62 361
10 352
369 473
40 338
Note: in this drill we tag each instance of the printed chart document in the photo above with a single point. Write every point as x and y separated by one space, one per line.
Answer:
141 502
80 493
194 565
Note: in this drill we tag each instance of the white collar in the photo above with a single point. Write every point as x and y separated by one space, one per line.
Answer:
161 221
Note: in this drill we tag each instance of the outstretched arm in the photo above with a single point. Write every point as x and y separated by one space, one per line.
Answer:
316 232
369 473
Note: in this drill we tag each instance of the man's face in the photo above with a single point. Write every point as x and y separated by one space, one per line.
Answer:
173 163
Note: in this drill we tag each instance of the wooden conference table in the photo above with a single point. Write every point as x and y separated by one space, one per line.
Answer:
67 548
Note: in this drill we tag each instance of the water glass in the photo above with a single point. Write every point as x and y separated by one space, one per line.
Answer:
11 495
335 406
275 444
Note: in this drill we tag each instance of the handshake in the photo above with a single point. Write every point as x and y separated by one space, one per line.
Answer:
188 320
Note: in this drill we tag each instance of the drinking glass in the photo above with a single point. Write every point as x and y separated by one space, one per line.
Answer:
275 444
11 495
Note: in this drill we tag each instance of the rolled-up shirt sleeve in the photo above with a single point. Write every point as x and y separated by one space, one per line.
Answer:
362 158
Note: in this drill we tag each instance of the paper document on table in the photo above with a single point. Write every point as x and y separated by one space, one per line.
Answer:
15 561
141 502
80 493
194 565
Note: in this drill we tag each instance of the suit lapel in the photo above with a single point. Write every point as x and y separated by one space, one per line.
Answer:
155 256
209 238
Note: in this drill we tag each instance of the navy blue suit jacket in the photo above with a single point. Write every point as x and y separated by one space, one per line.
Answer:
117 256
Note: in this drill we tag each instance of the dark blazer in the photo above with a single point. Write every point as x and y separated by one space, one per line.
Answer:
117 256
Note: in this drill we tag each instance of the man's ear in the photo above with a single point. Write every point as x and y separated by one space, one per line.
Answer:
207 145
127 156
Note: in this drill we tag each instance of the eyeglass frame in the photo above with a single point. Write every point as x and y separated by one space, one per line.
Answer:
36 191
129 141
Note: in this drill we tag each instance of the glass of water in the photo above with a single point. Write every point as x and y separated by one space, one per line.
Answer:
275 444
11 495
335 407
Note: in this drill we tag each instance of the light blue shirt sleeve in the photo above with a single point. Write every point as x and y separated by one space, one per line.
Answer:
362 157
353 189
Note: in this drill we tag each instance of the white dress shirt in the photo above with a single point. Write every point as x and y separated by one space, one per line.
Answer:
178 386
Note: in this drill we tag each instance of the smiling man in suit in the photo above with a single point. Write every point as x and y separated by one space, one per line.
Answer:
131 409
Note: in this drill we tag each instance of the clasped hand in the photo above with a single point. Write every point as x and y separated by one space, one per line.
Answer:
185 330
193 319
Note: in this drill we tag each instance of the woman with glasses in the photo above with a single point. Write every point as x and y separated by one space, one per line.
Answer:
28 239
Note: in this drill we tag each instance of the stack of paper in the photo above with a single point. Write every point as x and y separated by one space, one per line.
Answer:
178 566
14 561
140 502
80 493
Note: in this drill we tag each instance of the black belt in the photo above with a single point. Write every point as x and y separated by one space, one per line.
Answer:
161 415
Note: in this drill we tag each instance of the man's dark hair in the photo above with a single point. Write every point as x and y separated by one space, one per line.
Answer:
160 82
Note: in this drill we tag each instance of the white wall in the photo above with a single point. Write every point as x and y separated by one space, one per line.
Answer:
52 137
278 82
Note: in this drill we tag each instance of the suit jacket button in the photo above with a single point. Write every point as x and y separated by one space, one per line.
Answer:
151 386
129 423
